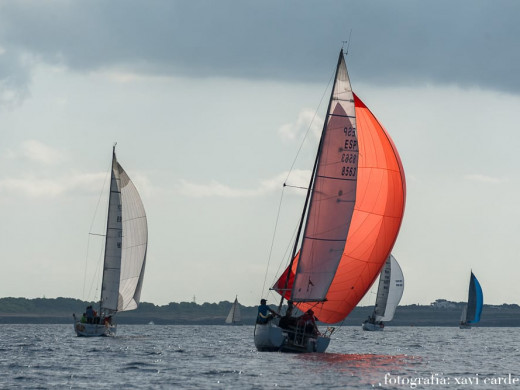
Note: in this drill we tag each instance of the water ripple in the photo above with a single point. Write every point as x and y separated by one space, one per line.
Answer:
195 357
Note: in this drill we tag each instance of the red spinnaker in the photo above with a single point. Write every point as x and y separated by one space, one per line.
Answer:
375 223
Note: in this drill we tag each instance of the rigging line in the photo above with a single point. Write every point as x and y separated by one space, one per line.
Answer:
272 241
90 233
287 249
309 128
290 186
96 272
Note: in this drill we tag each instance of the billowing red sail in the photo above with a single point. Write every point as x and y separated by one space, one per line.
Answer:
373 227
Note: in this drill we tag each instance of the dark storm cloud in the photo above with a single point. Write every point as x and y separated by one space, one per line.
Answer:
469 43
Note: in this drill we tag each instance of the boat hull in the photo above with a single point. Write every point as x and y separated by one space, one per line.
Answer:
271 338
94 330
464 326
371 327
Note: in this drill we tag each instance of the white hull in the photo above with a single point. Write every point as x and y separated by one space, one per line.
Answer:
269 338
94 330
369 326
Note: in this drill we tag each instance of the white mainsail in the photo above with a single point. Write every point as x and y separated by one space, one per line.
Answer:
234 314
125 245
389 291
333 195
464 314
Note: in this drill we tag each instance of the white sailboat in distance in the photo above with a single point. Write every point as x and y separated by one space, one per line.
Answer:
234 317
126 243
389 293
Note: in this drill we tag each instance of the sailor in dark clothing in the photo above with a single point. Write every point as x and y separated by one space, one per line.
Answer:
265 313
90 315
288 320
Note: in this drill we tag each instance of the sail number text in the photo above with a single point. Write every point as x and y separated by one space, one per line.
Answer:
349 171
349 155
349 131
349 158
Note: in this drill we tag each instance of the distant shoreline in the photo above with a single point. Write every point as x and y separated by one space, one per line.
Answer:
59 311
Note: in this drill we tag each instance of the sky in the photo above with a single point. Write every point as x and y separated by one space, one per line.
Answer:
213 105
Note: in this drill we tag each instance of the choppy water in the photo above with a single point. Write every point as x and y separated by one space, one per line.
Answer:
207 357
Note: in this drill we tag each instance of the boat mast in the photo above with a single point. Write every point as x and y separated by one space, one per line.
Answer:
108 216
234 309
311 183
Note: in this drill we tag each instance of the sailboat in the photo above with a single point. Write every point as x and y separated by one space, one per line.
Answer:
126 243
472 310
389 292
350 221
234 317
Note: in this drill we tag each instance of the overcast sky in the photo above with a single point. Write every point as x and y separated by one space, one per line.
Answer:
209 102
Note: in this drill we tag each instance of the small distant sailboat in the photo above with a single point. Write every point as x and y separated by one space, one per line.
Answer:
472 310
389 293
126 244
234 317
348 226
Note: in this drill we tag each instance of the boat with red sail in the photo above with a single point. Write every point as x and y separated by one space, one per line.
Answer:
349 224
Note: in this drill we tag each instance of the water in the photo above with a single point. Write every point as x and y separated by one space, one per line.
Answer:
224 357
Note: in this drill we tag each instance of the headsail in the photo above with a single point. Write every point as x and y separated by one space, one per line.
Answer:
370 229
389 291
125 245
234 314
475 301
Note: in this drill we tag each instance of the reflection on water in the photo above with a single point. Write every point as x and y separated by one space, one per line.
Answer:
361 361
366 368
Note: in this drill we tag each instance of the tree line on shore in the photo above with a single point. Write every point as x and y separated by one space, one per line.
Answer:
59 310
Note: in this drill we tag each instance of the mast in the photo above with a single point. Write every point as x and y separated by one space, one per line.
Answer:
114 159
311 182
234 309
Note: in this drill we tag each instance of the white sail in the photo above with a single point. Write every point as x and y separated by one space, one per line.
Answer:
234 314
333 195
390 290
125 245
463 314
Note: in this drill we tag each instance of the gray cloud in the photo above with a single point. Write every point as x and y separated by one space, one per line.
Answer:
468 43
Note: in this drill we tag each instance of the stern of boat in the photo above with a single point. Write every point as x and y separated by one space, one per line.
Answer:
369 326
321 344
268 337
94 330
